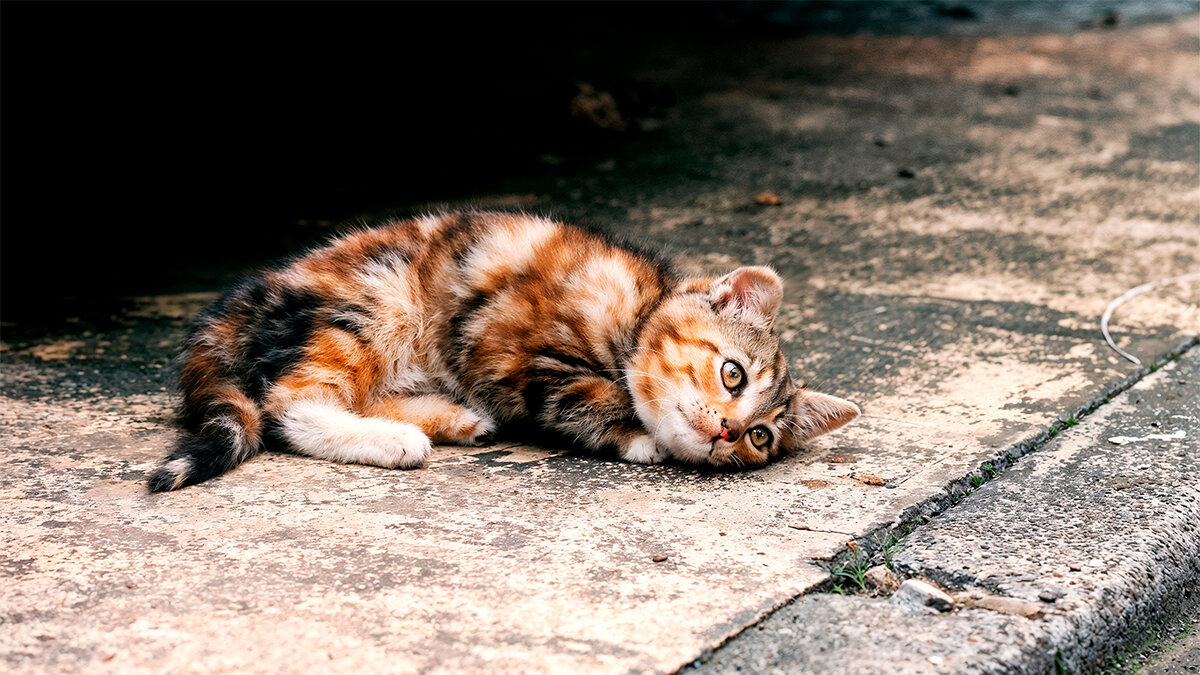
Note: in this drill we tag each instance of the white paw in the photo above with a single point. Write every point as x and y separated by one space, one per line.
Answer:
407 447
643 450
477 429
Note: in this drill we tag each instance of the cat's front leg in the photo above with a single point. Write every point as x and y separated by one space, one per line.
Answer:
643 450
598 413
443 420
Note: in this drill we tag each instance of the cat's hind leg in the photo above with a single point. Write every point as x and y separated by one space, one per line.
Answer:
438 417
325 429
314 409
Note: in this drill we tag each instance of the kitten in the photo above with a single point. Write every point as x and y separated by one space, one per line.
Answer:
436 330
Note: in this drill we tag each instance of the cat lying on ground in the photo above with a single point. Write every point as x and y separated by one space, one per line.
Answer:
436 330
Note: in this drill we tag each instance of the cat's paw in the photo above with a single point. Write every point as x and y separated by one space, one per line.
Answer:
408 447
643 450
473 429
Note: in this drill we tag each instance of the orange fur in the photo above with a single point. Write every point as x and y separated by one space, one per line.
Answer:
443 420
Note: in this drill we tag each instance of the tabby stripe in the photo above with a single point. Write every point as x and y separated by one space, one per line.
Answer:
278 337
574 361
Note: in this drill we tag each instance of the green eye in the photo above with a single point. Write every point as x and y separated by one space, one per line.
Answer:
732 376
760 437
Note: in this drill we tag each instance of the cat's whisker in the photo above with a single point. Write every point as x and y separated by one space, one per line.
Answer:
638 408
673 388
797 428
654 434
633 373
668 359
796 431
781 420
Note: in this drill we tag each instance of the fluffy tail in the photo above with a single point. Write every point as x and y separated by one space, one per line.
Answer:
224 430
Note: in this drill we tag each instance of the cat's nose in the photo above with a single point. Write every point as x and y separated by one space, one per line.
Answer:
730 430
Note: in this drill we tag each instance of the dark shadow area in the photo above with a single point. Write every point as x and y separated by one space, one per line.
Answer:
142 140
164 147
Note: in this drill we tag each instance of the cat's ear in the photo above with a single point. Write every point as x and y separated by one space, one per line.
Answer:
815 414
749 294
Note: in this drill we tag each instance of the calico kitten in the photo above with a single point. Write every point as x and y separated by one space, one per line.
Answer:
436 330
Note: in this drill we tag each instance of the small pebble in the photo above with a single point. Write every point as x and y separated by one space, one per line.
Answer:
1048 596
880 577
916 594
659 558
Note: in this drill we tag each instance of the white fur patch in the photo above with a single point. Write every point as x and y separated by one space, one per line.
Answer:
751 397
180 468
480 426
398 322
428 224
329 432
606 297
507 249
643 450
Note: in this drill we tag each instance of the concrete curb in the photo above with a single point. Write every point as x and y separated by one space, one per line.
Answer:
956 491
1101 536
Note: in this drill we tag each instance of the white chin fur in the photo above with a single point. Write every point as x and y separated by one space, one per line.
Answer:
679 437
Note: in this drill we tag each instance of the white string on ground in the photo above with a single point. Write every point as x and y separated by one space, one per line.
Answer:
1137 290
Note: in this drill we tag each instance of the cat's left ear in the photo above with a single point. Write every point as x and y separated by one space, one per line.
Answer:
749 294
814 414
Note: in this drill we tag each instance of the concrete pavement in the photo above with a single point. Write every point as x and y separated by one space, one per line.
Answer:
954 216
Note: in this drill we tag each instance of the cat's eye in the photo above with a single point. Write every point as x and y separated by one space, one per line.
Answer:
732 375
760 437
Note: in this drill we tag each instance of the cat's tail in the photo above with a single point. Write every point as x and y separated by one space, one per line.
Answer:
224 430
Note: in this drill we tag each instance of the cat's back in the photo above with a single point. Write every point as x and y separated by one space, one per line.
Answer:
469 276
528 287
475 296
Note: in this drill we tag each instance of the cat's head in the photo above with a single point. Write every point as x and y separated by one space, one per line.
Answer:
709 380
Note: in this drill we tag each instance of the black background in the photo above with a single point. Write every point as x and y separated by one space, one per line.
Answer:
154 147
146 143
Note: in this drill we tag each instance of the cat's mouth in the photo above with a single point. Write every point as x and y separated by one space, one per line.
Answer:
722 455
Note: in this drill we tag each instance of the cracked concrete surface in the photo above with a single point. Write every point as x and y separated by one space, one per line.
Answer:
958 306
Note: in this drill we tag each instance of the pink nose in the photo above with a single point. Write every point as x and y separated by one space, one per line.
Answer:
730 430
